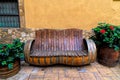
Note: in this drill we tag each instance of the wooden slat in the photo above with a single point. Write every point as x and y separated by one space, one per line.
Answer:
54 40
58 53
62 37
57 37
69 53
83 53
78 53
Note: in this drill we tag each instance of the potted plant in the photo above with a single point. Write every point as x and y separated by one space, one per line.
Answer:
10 55
107 39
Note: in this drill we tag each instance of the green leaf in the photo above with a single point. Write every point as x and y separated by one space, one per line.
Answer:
4 63
17 55
116 48
21 56
1 50
10 59
7 53
110 45
10 66
9 45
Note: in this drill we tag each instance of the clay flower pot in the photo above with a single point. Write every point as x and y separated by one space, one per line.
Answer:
6 73
108 56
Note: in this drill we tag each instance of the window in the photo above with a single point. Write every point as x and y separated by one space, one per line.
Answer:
9 14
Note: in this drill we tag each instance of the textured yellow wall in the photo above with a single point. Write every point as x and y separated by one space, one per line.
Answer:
60 14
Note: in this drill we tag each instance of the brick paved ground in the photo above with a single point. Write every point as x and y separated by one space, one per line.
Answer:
94 71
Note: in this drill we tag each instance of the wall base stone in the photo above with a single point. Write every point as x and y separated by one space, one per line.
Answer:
24 34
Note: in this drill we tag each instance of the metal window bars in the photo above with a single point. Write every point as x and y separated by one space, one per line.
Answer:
9 13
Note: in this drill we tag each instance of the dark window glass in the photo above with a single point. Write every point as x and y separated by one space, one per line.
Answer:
9 14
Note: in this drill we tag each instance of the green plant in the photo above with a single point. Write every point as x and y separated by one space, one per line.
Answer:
107 35
10 52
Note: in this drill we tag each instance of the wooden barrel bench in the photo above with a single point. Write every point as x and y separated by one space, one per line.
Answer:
60 47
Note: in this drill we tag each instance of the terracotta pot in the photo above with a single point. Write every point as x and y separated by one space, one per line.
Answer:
108 56
5 72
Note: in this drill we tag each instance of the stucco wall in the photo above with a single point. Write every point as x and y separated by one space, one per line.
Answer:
60 14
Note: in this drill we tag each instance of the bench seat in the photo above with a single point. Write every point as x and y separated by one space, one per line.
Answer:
36 53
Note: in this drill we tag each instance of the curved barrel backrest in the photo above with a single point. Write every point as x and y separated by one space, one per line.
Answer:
58 40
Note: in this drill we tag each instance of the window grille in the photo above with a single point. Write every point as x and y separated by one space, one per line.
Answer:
9 14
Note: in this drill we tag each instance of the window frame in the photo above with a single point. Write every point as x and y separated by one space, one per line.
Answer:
21 15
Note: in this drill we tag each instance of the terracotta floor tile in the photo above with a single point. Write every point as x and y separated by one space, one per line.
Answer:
87 76
94 71
56 78
51 75
66 79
